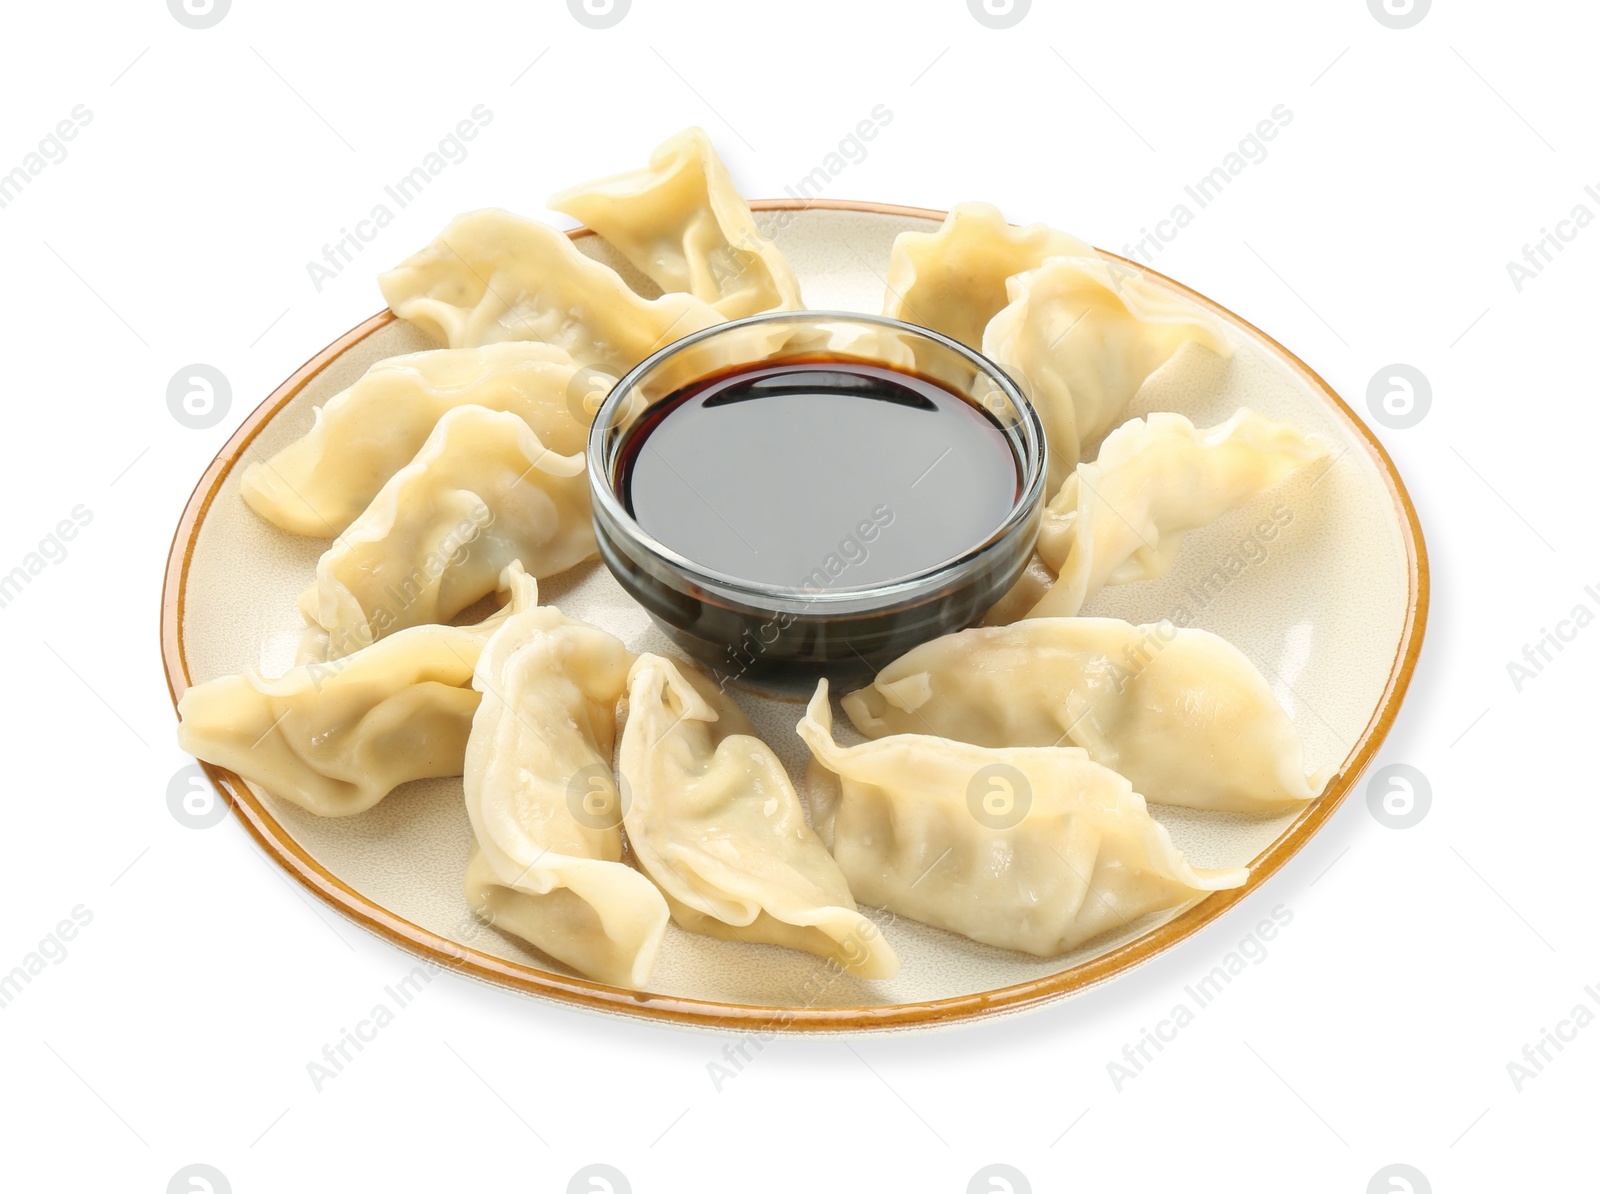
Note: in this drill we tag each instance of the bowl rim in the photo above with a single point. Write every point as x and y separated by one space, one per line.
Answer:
440 951
856 599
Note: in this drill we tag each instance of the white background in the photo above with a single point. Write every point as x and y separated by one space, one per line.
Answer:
1418 963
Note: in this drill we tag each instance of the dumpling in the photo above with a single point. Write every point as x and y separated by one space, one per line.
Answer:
682 224
494 276
713 819
1182 713
1082 336
1038 850
1024 593
482 492
336 738
367 433
1123 518
544 805
954 280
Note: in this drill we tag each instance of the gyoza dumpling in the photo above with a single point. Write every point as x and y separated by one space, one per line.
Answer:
482 492
367 433
682 224
1035 849
494 276
336 738
544 804
1023 595
1082 336
713 819
954 280
1123 518
1181 713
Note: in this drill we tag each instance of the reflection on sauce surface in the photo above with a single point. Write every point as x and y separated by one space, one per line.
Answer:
817 473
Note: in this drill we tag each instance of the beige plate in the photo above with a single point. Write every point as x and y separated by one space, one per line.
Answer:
1332 609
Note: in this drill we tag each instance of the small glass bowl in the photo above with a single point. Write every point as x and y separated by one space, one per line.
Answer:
784 637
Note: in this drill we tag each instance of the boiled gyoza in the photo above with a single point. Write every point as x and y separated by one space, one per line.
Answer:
1181 713
482 492
1123 518
544 804
713 819
494 276
368 432
1082 336
337 737
681 223
1035 849
1001 790
1023 594
954 280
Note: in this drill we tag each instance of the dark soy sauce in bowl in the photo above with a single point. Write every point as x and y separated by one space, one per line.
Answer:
817 474
785 510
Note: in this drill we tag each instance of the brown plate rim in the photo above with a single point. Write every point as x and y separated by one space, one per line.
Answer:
280 846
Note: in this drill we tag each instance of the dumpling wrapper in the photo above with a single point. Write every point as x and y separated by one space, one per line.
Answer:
544 804
1123 518
1033 849
482 492
493 276
1024 593
319 484
1081 337
954 280
1180 712
712 817
337 737
682 224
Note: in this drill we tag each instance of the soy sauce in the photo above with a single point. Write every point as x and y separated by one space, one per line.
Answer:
818 473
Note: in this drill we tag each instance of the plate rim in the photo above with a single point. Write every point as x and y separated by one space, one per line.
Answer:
280 846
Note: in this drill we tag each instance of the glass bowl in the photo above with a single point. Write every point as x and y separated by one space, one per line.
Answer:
784 637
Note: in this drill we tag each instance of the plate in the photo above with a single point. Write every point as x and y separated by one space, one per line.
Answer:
1332 611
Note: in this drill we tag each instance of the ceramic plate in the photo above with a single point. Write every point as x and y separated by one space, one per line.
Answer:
1331 610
